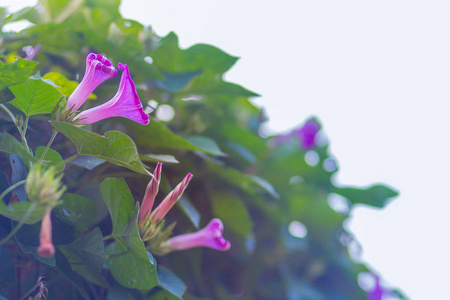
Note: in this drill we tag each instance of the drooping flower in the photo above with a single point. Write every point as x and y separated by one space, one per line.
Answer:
98 69
46 248
307 134
170 199
150 195
33 52
210 236
125 103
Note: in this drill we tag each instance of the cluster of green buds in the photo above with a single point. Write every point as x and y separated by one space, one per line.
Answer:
44 186
61 113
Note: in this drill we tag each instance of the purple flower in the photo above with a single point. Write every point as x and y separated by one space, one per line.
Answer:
377 292
307 134
33 52
46 248
98 69
150 194
125 103
170 199
210 236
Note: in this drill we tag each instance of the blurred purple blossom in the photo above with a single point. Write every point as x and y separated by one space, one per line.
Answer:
33 52
305 135
377 292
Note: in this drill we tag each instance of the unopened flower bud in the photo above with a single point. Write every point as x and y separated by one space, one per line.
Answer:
19 121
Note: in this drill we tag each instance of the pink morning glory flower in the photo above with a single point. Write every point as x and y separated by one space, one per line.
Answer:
307 134
170 199
46 248
125 103
150 195
98 69
210 236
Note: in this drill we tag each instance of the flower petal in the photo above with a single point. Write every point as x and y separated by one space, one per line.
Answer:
98 69
125 103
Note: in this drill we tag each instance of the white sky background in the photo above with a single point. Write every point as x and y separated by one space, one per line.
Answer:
376 73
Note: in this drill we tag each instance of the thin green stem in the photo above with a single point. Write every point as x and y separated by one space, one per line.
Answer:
24 132
8 112
30 291
54 133
108 237
21 222
66 161
12 187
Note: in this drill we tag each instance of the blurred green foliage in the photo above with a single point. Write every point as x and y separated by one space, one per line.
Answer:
256 185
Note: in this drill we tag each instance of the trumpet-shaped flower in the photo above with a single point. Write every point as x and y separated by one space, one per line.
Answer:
98 69
125 103
150 195
210 236
170 200
46 248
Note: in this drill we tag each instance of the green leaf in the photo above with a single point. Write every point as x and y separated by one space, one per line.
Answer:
170 58
15 211
130 263
266 186
9 144
171 282
35 96
120 203
88 162
115 146
230 209
63 84
205 143
157 135
217 87
189 210
77 210
376 195
63 266
52 158
159 158
16 72
87 254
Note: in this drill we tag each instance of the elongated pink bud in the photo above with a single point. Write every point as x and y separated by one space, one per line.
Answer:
150 195
210 236
170 200
98 69
125 103
46 248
